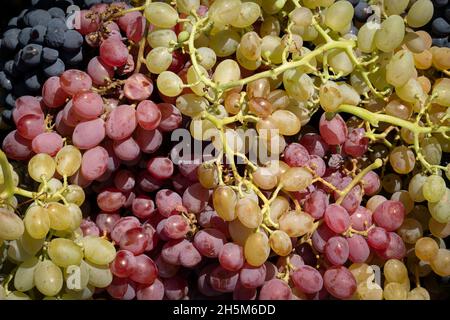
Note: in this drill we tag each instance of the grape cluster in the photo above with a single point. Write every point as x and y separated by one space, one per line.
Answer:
329 128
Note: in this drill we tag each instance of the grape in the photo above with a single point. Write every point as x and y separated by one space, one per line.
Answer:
337 250
420 13
47 142
89 134
231 257
256 249
148 141
339 15
145 270
48 278
126 149
155 291
148 115
209 242
64 252
275 289
113 52
386 39
121 122
41 167
320 237
339 282
434 188
333 131
395 249
307 279
138 87
24 277
16 147
440 262
389 215
74 81
296 224
110 200
122 226
439 210
170 117
30 125
36 221
176 227
356 143
11 227
337 218
249 213
296 155
252 277
358 249
280 243
99 71
106 221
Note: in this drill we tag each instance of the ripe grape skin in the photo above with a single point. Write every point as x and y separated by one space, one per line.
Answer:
356 143
122 225
113 52
160 167
209 242
148 115
395 249
371 183
99 71
155 291
316 203
320 237
337 218
138 87
110 200
52 93
121 122
334 131
361 219
143 207
307 279
16 147
74 81
88 134
358 248
296 155
339 282
231 256
106 222
167 201
389 215
275 289
148 140
47 142
337 250
223 280
134 240
145 270
190 257
195 198
170 117
124 264
314 144
252 277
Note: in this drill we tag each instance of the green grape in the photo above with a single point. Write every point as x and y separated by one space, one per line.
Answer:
98 250
53 185
246 63
161 38
340 62
441 90
223 12
17 253
24 276
434 188
37 221
391 34
41 166
11 226
272 49
431 150
206 57
30 244
415 187
48 278
287 122
330 96
227 71
369 291
84 294
191 104
400 69
250 46
161 14
60 217
280 243
395 291
301 17
296 179
298 85
272 6
193 77
186 6
339 15
74 194
68 160
208 176
249 13
99 275
224 200
64 252
398 109
249 213
270 26
169 84
224 42
440 210
17 295
420 13
158 60
202 129
257 249
395 6
77 279
296 224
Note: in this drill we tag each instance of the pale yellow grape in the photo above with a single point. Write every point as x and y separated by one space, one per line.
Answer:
224 12
30 244
398 109
24 276
358 84
400 68
202 129
250 46
420 13
280 243
60 217
37 221
426 249
100 276
206 57
279 99
17 295
249 213
246 63
362 272
52 185
301 16
349 94
412 91
194 78
441 263
191 104
432 150
68 160
395 6
186 6
17 253
404 197
264 178
227 71
270 26
434 188
48 278
158 60
238 232
98 250
402 159
224 201
296 224
339 15
340 62
395 271
287 123
208 176
298 85
391 34
256 249
415 42
275 145
330 96
64 252
418 293
272 49
415 187
311 4
410 231
225 42
161 14
231 138
272 6
442 91
440 210
11 225
369 291
41 166
169 84
74 194
395 291
161 38
296 179
248 14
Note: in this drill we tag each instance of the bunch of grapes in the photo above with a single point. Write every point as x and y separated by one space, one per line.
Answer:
317 154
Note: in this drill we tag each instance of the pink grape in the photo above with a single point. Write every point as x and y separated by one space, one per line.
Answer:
80 180
110 200
89 105
89 228
52 93
74 81
178 61
127 68
155 291
31 125
143 207
121 226
106 222
314 144
126 149
334 131
47 142
195 198
127 19
165 269
135 240
337 250
60 126
99 71
275 289
117 288
16 147
149 184
306 252
389 215
378 238
124 264
153 242
148 115
131 291
223 280
296 155
135 30
243 293
160 167
189 169
359 250
145 270
175 288
176 227
252 277
172 249
337 218
209 242
371 183
138 87
70 117
395 249
26 105
89 134
148 141
203 283
318 165
357 143
167 201
294 259
320 237
170 117
121 122
231 256
316 203
124 180
189 256
339 282
113 52
307 279
180 183
361 219
89 22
